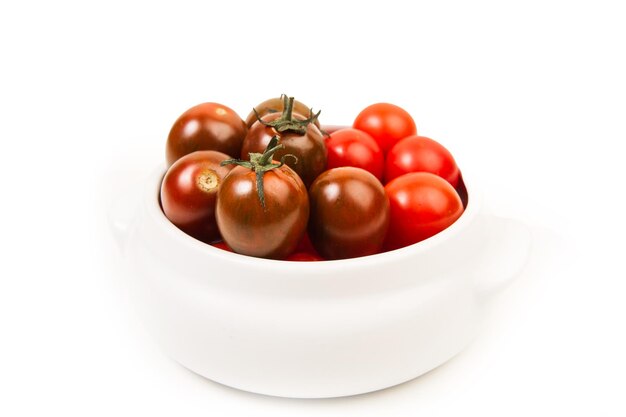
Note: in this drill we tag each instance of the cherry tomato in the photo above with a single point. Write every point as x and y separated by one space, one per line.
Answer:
355 148
386 123
307 146
222 245
304 257
262 208
305 251
349 213
276 105
422 205
189 193
207 126
305 244
421 154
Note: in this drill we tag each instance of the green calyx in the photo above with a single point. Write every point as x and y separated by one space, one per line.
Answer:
286 122
260 163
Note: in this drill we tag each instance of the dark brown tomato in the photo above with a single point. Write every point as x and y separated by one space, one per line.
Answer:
349 213
189 193
249 228
207 126
277 105
309 148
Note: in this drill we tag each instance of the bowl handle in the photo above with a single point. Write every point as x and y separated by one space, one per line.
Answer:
122 211
508 247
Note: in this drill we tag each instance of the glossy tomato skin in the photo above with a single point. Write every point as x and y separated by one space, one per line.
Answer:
249 228
355 148
277 105
349 213
207 126
421 154
386 123
308 148
189 193
422 205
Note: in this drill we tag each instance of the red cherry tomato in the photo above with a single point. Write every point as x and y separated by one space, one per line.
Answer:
355 148
222 245
349 213
304 257
305 244
386 123
421 154
422 205
189 193
207 126
305 251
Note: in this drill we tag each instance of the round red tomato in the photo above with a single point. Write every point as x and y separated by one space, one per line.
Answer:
207 126
355 148
386 123
305 251
222 245
189 193
422 205
305 244
421 154
262 207
349 213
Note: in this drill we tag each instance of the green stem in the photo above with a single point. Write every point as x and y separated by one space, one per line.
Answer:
288 108
260 163
286 121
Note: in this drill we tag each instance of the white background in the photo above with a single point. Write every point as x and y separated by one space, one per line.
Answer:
530 96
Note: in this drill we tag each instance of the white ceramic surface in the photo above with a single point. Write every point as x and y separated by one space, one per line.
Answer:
315 329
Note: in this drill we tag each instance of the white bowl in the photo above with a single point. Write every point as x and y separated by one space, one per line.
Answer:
316 329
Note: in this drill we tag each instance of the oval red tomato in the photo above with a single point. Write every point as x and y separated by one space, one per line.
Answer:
386 123
349 213
189 193
421 154
422 205
355 148
207 126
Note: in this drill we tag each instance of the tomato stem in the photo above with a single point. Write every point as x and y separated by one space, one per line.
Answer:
269 152
286 121
260 163
288 106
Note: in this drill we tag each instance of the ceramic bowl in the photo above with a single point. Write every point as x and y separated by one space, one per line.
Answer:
315 329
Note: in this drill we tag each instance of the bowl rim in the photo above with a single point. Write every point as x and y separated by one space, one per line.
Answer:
199 248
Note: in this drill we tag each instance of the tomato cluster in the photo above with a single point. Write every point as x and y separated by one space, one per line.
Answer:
279 186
